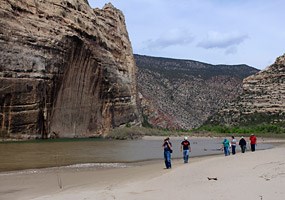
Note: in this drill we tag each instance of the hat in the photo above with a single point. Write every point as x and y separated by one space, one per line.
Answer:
185 138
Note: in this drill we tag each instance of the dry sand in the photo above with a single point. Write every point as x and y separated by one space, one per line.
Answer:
254 176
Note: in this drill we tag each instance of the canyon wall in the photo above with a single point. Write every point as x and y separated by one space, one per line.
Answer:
262 99
182 94
65 69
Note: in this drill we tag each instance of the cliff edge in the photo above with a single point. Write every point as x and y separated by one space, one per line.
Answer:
65 69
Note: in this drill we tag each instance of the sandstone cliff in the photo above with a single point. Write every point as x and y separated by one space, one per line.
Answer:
182 94
65 69
262 100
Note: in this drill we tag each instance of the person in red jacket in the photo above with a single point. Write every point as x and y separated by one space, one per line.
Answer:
252 139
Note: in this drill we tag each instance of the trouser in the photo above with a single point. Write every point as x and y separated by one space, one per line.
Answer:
233 149
243 147
185 155
226 151
167 159
252 147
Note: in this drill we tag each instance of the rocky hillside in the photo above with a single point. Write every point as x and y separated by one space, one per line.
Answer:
65 69
262 100
182 94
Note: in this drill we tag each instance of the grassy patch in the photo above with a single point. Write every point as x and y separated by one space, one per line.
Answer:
262 130
124 133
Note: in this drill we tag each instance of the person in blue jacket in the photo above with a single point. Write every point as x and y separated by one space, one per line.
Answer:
226 145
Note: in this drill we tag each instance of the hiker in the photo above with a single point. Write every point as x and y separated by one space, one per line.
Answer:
252 139
167 146
233 144
185 146
226 145
242 144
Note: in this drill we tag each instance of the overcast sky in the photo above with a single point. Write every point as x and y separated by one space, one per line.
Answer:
213 31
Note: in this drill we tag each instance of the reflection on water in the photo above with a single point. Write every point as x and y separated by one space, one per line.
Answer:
23 155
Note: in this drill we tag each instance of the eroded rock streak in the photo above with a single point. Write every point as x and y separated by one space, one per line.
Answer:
65 69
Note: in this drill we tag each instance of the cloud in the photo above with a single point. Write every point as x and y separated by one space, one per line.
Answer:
240 36
222 40
231 50
174 37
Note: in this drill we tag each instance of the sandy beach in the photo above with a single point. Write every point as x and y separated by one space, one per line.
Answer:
256 175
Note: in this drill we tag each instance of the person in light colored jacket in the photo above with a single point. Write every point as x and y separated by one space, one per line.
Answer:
233 145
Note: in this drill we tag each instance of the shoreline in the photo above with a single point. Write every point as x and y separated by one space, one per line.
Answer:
34 184
113 165
123 183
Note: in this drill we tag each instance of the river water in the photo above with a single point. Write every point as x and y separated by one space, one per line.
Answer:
96 152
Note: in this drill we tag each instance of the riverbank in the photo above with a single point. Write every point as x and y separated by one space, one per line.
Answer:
258 175
99 152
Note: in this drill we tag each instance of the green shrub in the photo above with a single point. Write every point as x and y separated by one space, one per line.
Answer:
124 133
265 130
145 122
3 134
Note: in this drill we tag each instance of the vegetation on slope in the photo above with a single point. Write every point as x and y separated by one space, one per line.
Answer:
182 94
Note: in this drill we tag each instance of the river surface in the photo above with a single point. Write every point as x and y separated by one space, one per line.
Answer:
97 152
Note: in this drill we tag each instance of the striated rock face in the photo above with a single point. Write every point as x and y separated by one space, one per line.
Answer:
262 100
182 94
65 69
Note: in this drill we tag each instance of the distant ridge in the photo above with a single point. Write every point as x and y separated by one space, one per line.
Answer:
182 94
262 101
192 67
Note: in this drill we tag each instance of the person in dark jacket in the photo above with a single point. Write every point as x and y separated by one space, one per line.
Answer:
186 148
242 144
167 146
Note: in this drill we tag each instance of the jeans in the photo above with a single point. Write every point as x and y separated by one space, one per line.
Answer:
233 149
252 147
226 151
186 155
167 159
